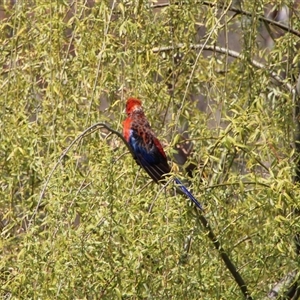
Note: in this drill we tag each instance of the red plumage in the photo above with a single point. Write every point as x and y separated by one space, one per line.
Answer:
147 149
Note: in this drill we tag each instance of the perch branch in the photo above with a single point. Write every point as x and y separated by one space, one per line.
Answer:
231 267
78 138
229 264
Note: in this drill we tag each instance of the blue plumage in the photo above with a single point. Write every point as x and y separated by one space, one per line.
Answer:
147 149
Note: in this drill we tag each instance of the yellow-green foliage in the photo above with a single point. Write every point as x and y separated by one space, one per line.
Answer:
101 229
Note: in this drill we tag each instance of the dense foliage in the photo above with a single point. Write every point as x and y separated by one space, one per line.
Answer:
98 228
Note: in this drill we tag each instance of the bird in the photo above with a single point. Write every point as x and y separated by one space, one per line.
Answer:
146 148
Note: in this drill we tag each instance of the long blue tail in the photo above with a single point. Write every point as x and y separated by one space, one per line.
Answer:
188 193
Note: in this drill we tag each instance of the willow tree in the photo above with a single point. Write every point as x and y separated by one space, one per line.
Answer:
79 219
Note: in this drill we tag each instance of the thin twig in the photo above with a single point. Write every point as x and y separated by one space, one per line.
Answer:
229 264
102 50
194 68
89 130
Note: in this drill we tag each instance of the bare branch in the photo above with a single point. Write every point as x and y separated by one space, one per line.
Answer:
286 283
238 11
229 264
86 132
229 53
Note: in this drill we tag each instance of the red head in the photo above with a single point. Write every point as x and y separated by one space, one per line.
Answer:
132 105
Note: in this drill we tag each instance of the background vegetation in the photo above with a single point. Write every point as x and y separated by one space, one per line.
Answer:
98 228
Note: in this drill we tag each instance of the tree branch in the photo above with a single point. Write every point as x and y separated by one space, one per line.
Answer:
231 53
238 11
89 130
231 267
229 264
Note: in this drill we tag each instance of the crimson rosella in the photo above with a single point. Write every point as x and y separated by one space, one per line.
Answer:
147 149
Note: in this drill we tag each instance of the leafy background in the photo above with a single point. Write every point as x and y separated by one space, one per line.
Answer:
99 228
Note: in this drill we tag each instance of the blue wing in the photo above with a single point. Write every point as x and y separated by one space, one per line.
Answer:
149 157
